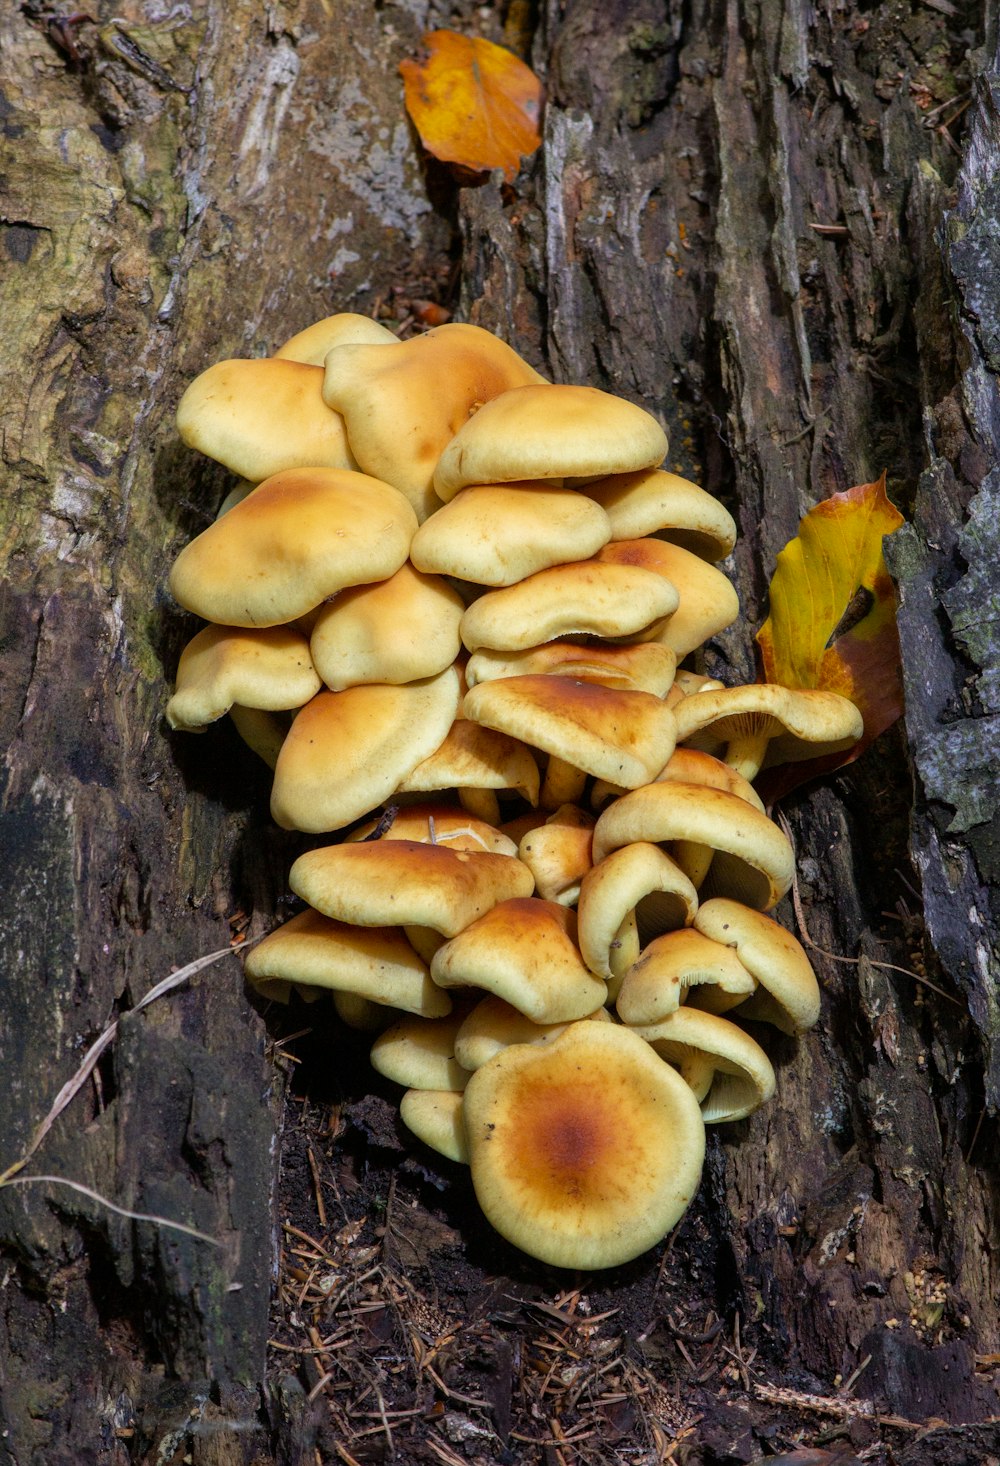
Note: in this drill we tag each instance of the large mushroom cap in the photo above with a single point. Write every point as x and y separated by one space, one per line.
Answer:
376 962
397 630
708 602
406 883
655 502
581 599
347 751
268 668
404 402
585 1151
497 534
524 951
298 538
763 724
261 417
622 736
753 860
549 432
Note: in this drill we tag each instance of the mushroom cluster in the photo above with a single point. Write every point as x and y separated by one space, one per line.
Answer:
449 606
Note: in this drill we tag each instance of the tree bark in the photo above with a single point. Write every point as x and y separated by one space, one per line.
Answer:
752 220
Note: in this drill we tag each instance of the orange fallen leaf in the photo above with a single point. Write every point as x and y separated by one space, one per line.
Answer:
833 618
473 103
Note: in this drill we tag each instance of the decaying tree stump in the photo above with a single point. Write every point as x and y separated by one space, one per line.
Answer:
753 220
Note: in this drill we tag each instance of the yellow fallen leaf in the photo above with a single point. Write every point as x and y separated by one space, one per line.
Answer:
833 611
473 103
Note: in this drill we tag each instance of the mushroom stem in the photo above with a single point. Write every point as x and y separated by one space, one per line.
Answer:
747 752
694 860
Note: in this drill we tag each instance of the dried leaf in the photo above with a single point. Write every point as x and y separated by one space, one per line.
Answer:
833 616
473 103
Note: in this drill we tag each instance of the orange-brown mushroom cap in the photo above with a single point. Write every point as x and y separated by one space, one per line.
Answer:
585 1151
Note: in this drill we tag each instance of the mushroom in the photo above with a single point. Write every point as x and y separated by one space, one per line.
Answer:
787 993
558 853
376 962
300 537
269 669
436 1117
406 883
419 1053
642 666
753 860
728 1071
708 602
495 1024
655 502
623 736
626 899
764 724
498 534
261 417
347 751
404 402
548 432
585 1151
476 761
313 345
523 950
659 980
397 630
437 823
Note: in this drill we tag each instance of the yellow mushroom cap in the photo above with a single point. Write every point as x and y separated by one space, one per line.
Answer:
708 603
475 758
642 666
655 502
347 751
558 853
495 1024
419 1053
346 328
261 417
658 982
436 1117
524 951
438 823
266 668
639 881
787 992
404 402
726 1067
376 962
298 538
548 432
753 860
763 724
584 598
585 1151
407 883
397 630
618 735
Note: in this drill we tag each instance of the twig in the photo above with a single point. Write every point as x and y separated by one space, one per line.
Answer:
121 1211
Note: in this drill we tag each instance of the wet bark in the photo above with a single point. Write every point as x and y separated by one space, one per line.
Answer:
746 218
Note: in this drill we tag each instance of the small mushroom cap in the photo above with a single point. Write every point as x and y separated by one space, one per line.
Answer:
403 403
581 599
585 1151
440 824
407 883
298 538
474 757
639 878
436 1117
642 666
659 981
397 630
549 432
622 736
347 751
524 951
708 602
419 1053
787 993
727 1064
376 962
494 1025
266 668
655 502
775 724
558 853
497 534
753 860
346 328
689 766
261 417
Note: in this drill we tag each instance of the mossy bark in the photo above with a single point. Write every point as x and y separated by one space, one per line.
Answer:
746 217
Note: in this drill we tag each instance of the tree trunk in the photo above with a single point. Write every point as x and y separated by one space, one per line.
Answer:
753 220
